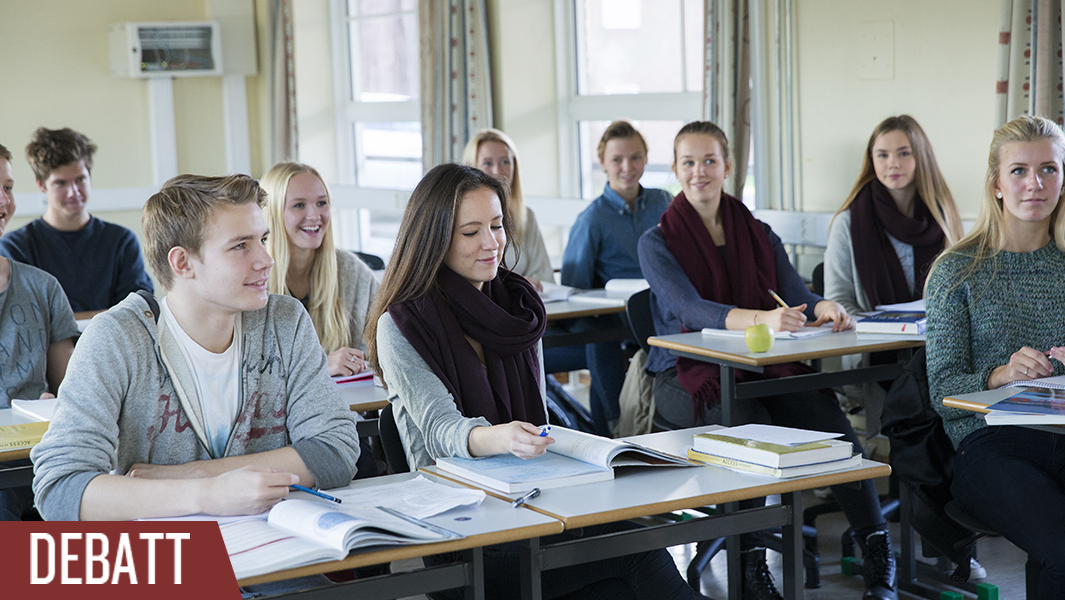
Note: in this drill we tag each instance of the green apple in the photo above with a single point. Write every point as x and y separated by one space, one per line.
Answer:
759 337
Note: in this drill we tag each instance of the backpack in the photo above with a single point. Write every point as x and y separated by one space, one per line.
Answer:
922 456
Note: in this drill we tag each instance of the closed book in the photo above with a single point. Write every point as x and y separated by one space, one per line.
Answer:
1032 406
25 435
906 323
785 473
776 456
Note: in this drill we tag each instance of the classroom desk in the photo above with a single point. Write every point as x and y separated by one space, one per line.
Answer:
605 304
732 353
639 492
493 522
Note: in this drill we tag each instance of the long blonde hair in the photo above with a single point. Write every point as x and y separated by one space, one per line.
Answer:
988 236
328 314
931 186
516 208
424 239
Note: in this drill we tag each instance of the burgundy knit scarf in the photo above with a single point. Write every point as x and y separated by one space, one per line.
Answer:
874 214
507 317
743 278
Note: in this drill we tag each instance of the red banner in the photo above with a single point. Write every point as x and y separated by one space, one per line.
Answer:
115 560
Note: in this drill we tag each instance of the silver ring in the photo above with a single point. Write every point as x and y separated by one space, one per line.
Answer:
1026 371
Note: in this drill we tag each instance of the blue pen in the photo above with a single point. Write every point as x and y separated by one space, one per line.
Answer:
546 429
315 493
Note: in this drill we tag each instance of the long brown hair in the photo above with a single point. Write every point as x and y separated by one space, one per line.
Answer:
424 238
931 186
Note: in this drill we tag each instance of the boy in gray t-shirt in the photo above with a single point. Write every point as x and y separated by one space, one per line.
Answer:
36 333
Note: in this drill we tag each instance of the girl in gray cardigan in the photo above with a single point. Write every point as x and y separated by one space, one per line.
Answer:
457 341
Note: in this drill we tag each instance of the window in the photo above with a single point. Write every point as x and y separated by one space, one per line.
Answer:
640 60
380 133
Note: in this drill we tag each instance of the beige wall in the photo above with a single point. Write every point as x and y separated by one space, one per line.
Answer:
945 66
57 73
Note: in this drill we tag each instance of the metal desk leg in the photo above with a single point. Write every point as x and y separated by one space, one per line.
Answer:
728 394
474 589
733 550
791 536
529 567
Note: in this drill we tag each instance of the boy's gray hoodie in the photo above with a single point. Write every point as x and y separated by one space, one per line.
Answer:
119 404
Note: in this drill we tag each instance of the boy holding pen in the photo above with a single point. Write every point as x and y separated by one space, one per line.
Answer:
217 401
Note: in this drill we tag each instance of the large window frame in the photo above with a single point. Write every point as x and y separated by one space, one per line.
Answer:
573 108
356 206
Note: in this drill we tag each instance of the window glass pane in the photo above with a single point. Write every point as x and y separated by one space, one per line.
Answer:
389 154
659 137
384 59
362 8
694 44
631 47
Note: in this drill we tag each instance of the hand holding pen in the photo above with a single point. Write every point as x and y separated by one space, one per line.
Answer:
785 318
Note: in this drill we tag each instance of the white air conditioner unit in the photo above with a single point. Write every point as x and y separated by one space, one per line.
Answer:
167 49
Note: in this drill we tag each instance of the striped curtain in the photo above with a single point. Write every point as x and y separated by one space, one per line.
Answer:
284 135
456 90
1030 74
727 89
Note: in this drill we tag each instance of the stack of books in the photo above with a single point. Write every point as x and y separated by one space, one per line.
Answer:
897 322
780 452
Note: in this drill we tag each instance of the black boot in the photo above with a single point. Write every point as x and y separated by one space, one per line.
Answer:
878 566
757 580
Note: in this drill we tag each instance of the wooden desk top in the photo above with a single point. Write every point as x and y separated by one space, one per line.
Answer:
9 416
640 491
493 522
598 303
362 396
979 401
734 350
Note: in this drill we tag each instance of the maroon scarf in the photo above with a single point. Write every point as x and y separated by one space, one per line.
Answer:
743 278
507 317
874 214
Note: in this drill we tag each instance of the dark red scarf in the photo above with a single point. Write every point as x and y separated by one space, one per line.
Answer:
742 278
874 214
507 317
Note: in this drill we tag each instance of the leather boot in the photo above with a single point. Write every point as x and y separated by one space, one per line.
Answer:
878 566
757 580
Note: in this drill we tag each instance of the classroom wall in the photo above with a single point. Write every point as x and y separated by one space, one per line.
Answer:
57 73
945 55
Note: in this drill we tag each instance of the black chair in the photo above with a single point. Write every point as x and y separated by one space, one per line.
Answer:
638 311
818 277
395 455
1032 569
372 260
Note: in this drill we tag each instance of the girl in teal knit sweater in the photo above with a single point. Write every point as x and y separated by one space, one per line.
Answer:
996 305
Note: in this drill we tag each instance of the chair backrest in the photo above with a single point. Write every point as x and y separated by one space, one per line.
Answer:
818 277
638 310
372 260
391 442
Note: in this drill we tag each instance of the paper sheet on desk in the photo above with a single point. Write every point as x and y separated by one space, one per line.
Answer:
915 306
783 436
418 497
801 334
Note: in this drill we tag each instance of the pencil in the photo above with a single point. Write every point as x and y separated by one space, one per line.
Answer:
778 299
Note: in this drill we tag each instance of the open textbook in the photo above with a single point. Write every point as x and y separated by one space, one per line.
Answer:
574 458
303 532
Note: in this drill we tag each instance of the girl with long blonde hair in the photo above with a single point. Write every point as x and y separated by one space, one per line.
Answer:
493 152
996 314
335 285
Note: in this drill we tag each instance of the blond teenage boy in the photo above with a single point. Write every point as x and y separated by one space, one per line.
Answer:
214 406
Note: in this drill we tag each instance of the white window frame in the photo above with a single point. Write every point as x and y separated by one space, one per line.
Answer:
574 108
357 204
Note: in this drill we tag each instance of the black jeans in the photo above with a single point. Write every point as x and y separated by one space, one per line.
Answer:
1013 479
805 410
